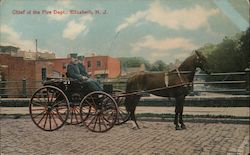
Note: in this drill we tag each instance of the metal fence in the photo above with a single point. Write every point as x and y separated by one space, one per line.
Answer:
202 84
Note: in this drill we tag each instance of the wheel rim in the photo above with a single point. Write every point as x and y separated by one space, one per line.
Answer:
98 111
49 108
123 115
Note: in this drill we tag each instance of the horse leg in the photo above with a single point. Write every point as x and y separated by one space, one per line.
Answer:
131 103
177 109
133 118
181 101
183 126
177 127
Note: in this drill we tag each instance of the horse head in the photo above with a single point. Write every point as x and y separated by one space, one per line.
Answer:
201 62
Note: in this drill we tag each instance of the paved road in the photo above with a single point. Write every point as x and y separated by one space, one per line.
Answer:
22 137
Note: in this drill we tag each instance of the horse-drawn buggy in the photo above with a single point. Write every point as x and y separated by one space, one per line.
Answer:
64 101
68 101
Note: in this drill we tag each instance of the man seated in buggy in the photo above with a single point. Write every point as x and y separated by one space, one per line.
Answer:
77 71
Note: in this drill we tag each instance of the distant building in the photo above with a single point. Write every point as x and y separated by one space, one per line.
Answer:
102 66
18 69
27 55
132 70
35 55
8 49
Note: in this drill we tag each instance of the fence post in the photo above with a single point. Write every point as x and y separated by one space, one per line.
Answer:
247 70
24 81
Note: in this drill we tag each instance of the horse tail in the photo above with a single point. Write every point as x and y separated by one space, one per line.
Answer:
128 98
131 101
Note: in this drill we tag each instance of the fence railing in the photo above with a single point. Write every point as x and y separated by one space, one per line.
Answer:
201 84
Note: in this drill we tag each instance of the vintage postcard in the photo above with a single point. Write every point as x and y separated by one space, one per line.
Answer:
75 73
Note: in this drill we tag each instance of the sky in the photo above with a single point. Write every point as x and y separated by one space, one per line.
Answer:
153 29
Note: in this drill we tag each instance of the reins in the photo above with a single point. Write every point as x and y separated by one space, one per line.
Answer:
151 90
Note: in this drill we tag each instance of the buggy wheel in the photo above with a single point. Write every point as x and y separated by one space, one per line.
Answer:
98 111
123 115
49 108
74 114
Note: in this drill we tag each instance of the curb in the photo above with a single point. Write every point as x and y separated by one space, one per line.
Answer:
199 120
195 119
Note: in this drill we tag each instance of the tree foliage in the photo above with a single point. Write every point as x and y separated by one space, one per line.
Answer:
158 65
231 55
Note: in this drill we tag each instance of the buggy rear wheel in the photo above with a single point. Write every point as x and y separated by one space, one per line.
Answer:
49 108
98 111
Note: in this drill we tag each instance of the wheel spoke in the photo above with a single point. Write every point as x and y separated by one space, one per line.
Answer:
40 100
107 120
61 108
59 116
57 103
52 114
100 126
38 109
41 118
71 114
50 122
52 97
95 122
76 115
38 114
38 103
91 121
45 120
103 121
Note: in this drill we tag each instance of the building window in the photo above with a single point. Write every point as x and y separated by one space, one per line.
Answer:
89 64
98 63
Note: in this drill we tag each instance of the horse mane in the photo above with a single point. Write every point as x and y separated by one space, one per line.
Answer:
187 64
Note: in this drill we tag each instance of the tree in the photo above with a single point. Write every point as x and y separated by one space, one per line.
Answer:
231 55
244 49
134 62
159 65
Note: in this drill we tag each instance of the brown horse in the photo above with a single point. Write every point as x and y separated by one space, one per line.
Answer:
177 84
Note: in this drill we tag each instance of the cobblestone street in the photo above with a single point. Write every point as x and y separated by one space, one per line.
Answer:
21 136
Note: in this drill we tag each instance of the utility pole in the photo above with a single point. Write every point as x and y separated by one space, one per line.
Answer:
36 48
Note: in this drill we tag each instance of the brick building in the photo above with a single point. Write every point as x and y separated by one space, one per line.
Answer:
30 71
17 69
102 66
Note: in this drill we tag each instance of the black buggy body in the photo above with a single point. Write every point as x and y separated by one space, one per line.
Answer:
63 101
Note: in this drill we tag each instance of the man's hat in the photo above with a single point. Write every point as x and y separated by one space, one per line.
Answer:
73 55
80 57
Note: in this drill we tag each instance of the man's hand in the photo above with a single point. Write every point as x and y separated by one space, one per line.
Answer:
84 77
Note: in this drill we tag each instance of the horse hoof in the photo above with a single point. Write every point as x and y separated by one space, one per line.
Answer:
183 127
178 128
134 128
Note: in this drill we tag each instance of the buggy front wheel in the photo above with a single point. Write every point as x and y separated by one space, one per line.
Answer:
98 111
123 115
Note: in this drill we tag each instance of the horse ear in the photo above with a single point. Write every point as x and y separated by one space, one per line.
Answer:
198 54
